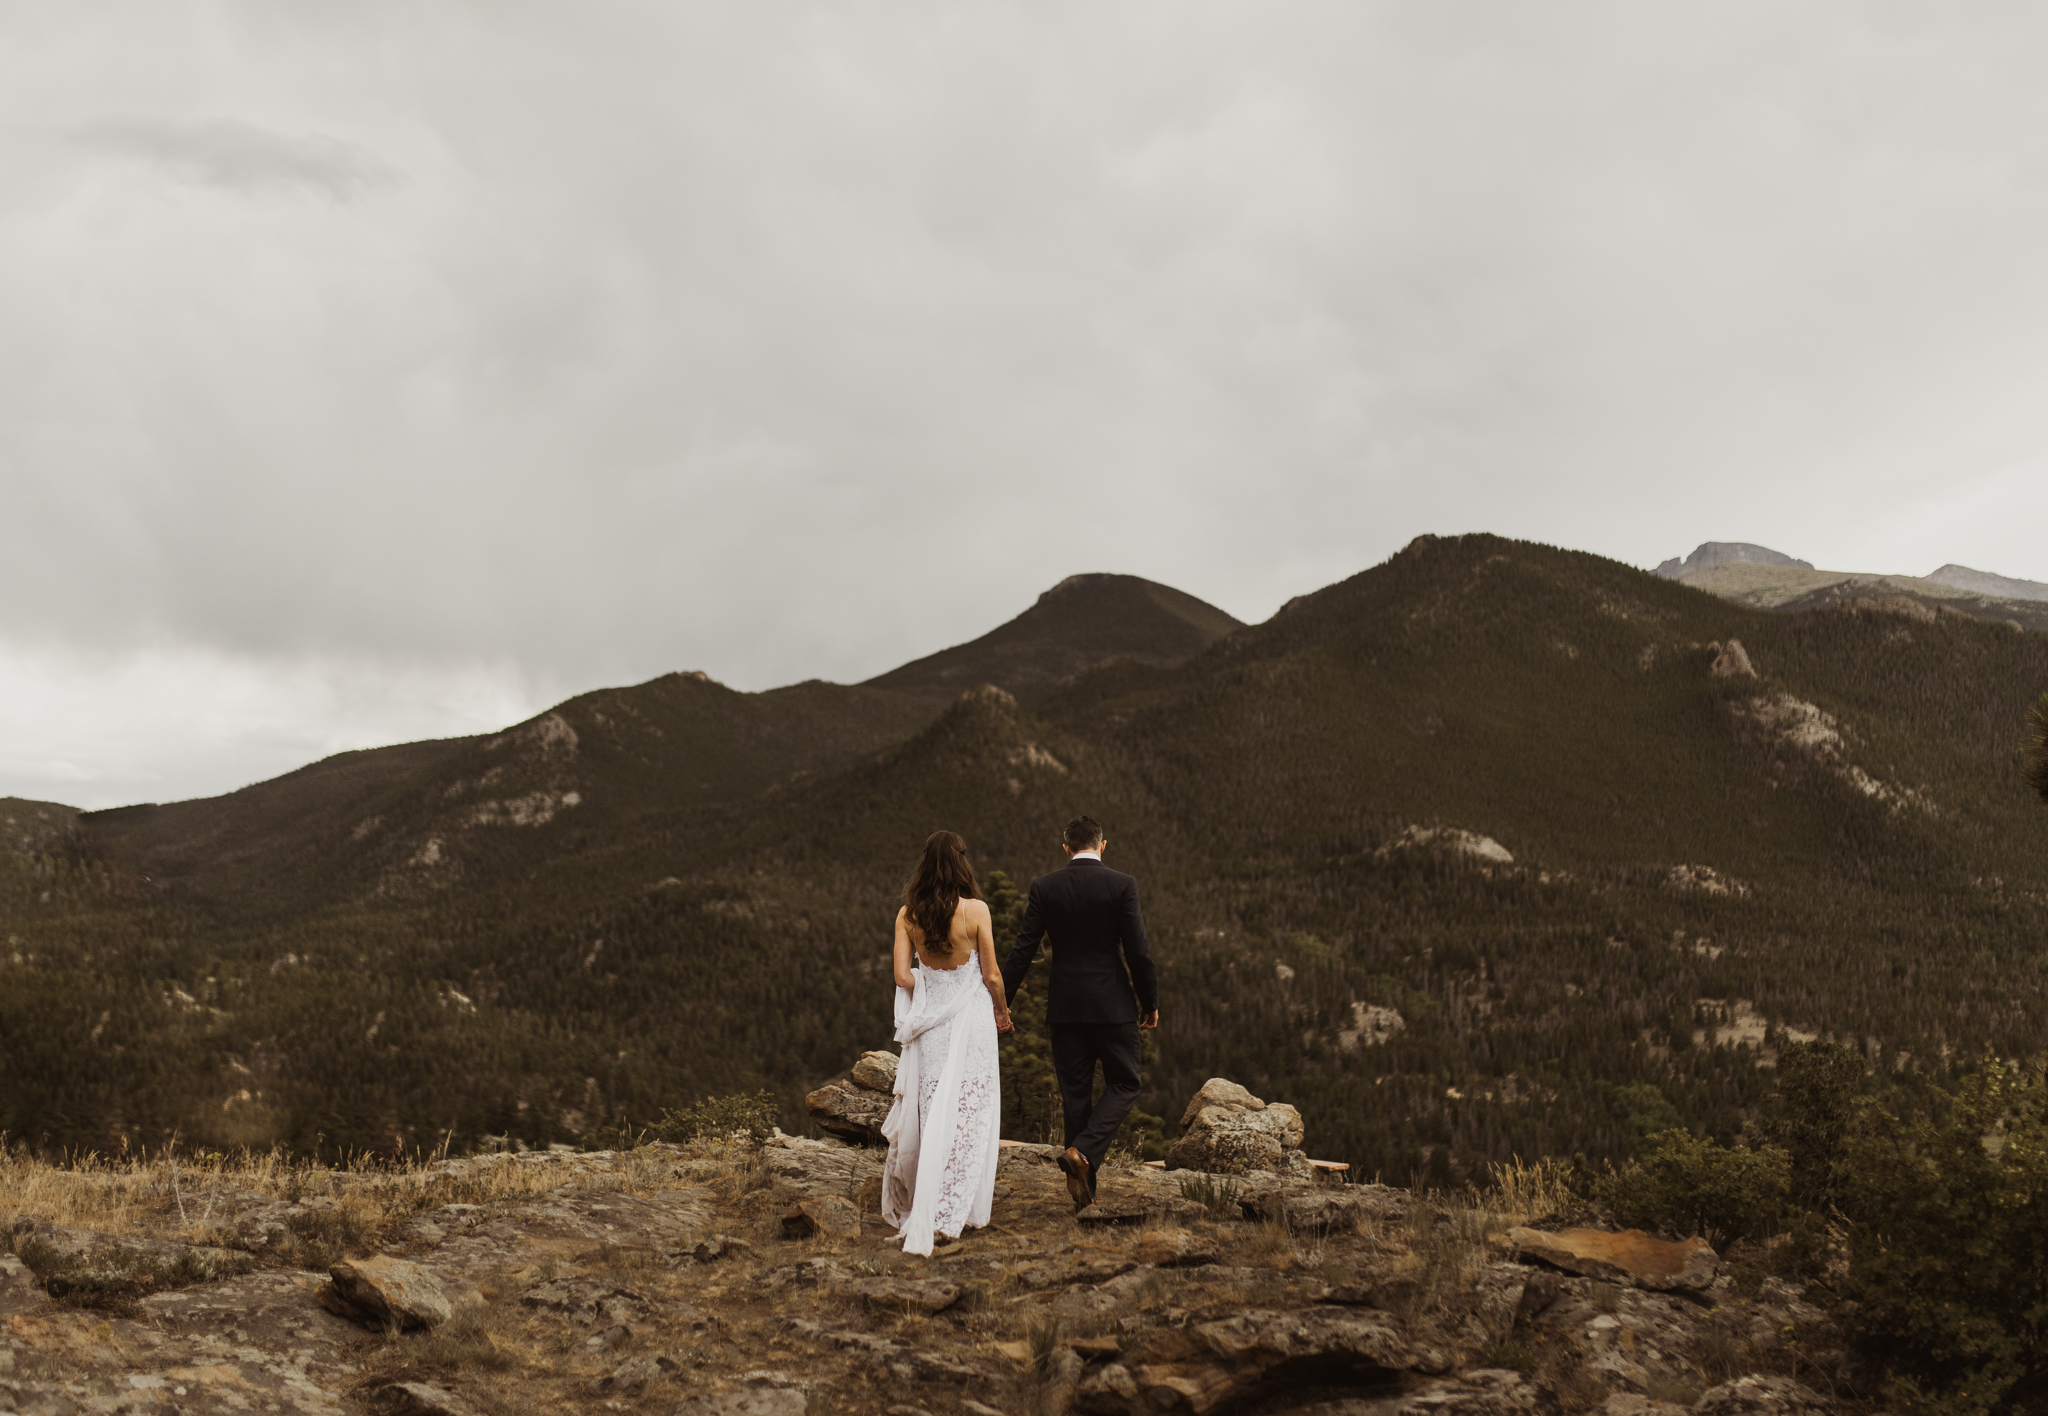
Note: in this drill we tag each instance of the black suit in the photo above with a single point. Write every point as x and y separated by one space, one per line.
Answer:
1103 981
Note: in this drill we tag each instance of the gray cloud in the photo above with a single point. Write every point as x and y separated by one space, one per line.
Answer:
240 156
795 339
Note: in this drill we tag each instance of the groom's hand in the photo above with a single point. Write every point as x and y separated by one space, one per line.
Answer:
1150 1020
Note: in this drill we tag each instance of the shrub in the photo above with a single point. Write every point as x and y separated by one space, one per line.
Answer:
1948 1242
1694 1186
739 1117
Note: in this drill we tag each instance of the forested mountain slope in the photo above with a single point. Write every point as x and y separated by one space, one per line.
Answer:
1826 829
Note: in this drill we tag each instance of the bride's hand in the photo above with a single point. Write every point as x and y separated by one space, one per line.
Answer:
1004 1023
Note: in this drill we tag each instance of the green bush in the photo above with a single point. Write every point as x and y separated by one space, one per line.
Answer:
1693 1186
741 1117
1947 1240
2037 768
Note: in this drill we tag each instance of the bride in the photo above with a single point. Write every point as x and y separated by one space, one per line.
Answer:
944 1128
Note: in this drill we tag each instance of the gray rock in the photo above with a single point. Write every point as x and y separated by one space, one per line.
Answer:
851 1111
821 1217
876 1072
18 1291
901 1295
1761 1396
1240 1359
754 1401
420 1399
821 1167
382 1290
1228 1131
1059 1380
586 1300
633 1377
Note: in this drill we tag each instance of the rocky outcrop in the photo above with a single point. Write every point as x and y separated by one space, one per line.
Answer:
1628 1257
1451 841
855 1106
1731 660
1360 1300
1228 1131
1239 1359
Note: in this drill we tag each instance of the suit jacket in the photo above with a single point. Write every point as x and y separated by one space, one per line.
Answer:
1097 931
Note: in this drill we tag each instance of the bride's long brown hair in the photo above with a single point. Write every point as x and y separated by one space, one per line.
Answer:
943 879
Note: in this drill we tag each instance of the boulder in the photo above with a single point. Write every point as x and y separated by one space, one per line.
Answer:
876 1072
850 1111
821 1217
1628 1257
1228 1131
382 1291
1219 1091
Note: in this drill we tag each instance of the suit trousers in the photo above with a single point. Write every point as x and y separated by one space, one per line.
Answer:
1076 1048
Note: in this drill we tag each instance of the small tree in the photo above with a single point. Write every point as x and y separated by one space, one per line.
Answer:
1818 1083
1948 1242
2037 772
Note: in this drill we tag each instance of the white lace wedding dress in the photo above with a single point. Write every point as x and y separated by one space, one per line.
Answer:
947 1121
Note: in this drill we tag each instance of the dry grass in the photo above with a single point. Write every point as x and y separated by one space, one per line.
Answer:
192 1198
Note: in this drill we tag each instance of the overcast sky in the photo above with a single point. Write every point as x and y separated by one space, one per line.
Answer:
378 371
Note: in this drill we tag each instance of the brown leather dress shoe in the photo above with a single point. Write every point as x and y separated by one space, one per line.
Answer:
1075 1165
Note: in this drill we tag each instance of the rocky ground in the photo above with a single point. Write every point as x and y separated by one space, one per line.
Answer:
758 1281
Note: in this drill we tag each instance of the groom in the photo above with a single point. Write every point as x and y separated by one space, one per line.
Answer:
1091 1009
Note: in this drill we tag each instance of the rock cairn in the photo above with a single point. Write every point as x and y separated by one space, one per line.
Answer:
853 1106
1228 1131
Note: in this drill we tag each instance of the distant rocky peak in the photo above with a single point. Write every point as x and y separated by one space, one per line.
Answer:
1984 582
1722 552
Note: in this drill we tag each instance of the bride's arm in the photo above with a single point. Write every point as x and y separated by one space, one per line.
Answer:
904 977
991 976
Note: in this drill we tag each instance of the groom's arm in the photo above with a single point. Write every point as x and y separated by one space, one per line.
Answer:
1138 952
1030 934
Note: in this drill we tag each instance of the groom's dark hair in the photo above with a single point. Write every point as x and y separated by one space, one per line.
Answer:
1083 833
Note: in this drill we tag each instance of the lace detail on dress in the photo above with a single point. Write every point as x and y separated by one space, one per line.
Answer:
967 1184
940 1174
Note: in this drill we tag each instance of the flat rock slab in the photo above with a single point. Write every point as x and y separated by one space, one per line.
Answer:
670 1220
821 1167
256 1342
1628 1257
